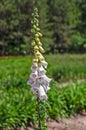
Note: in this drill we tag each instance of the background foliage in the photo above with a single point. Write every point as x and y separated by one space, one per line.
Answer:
17 103
63 24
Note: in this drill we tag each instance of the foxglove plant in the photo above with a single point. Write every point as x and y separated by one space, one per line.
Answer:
38 80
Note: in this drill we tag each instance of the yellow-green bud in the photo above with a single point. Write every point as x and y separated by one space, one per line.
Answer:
36 35
37 24
40 34
38 29
36 48
37 40
40 57
35 60
37 54
34 26
41 49
33 43
32 30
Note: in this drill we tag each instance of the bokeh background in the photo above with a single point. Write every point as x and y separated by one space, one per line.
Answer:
63 24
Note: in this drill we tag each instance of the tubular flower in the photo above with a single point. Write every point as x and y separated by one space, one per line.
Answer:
38 80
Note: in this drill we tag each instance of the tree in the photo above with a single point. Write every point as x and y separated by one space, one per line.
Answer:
64 18
15 17
82 7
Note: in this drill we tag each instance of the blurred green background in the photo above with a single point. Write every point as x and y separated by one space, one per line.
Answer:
63 24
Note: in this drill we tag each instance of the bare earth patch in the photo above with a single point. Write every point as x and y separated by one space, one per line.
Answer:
77 122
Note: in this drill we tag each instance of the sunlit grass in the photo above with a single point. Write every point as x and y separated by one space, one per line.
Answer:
17 104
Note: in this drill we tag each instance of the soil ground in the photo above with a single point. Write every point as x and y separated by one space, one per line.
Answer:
77 122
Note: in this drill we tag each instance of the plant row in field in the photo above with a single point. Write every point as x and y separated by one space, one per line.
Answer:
18 106
14 71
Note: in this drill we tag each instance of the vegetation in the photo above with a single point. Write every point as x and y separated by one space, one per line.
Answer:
62 24
63 28
17 105
67 67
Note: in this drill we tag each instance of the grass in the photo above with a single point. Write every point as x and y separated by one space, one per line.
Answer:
17 104
60 68
66 67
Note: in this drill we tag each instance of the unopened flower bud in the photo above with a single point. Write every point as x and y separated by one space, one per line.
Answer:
32 30
39 43
36 35
41 49
35 60
40 57
34 26
36 48
37 40
37 54
40 34
33 43
38 29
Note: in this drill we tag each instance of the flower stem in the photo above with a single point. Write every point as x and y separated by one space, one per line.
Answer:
41 115
38 112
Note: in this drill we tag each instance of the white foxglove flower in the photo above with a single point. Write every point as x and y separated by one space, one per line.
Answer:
46 87
41 70
42 94
43 79
34 90
34 67
39 90
34 75
40 80
44 63
31 82
46 79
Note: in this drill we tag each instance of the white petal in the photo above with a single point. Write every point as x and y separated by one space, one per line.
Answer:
34 67
34 90
34 75
42 94
41 70
31 82
46 87
40 80
44 63
36 85
46 79
43 79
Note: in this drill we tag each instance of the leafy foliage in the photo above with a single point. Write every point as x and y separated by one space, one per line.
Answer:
15 25
17 105
67 67
59 21
64 17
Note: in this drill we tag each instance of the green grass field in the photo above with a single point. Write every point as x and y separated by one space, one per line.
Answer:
17 104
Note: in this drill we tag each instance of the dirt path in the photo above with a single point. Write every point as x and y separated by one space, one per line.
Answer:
71 83
77 122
